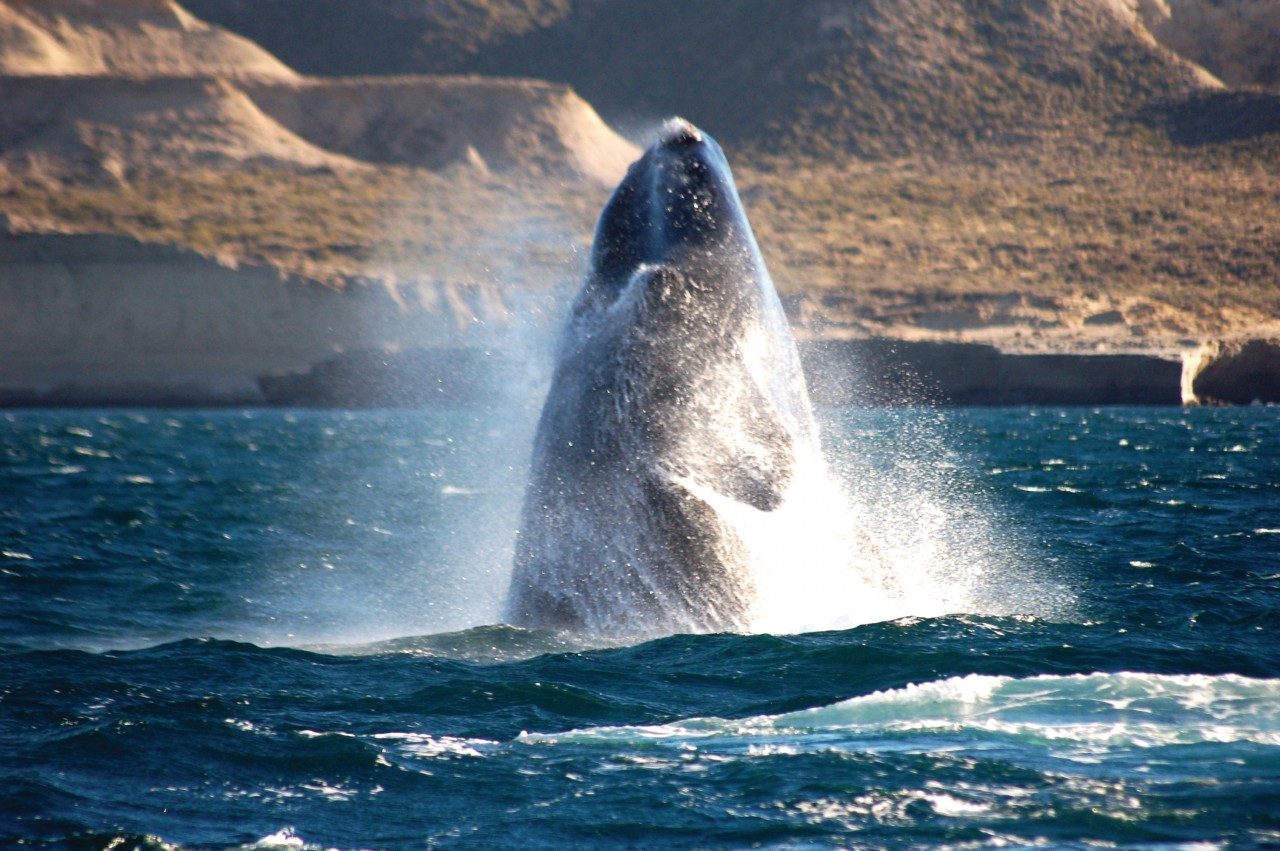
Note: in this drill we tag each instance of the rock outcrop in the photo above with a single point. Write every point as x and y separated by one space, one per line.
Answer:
896 372
110 320
1240 372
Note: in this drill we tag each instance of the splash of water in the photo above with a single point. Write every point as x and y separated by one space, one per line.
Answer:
885 524
852 543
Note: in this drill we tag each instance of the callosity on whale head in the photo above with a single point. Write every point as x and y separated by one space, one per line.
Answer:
677 408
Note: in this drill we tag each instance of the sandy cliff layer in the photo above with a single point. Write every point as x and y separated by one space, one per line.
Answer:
433 122
100 319
124 37
117 128
115 90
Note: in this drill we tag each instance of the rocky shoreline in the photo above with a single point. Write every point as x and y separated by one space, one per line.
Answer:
110 321
878 372
871 372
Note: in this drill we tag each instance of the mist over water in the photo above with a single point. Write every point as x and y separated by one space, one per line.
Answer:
890 525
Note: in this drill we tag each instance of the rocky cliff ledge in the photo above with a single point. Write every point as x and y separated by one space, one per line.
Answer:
846 372
898 372
1241 372
108 320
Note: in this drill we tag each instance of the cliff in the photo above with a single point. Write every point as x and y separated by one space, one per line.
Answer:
897 372
1236 372
124 38
110 320
100 320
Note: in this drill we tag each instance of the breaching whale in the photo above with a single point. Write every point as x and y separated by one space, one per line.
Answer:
675 414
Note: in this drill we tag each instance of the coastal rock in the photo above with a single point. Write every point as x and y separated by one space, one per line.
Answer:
109 320
898 372
105 320
1238 373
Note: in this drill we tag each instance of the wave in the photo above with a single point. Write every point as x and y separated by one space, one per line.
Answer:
1084 717
689 741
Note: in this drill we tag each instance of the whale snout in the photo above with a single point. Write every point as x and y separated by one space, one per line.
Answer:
678 133
678 202
692 199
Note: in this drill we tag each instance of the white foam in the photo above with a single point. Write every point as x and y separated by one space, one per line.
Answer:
815 568
423 746
1084 717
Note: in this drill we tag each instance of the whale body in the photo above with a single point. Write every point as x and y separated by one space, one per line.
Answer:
675 414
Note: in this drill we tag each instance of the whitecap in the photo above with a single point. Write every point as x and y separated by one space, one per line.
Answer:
423 746
1080 718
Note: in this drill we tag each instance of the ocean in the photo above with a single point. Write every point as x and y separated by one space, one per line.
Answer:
280 629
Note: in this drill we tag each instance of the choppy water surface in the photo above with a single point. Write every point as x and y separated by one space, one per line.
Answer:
276 629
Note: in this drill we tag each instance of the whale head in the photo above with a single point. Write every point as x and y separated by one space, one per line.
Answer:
678 207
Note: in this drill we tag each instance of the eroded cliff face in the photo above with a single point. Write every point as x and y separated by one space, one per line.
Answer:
110 320
106 320
1236 372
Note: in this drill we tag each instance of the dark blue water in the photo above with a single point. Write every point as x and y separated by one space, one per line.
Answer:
275 629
